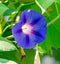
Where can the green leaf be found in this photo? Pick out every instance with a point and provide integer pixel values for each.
(6, 45)
(53, 32)
(32, 6)
(26, 0)
(3, 8)
(10, 55)
(5, 61)
(29, 58)
(56, 54)
(8, 50)
(13, 4)
(8, 12)
(44, 4)
(57, 1)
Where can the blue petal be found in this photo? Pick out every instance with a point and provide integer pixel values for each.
(23, 18)
(16, 28)
(30, 16)
(40, 24)
(24, 41)
(41, 30)
(38, 36)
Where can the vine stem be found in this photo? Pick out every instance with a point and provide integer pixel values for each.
(10, 37)
(57, 8)
(7, 27)
(24, 5)
(54, 20)
(19, 8)
(43, 10)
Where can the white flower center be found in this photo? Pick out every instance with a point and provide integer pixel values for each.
(26, 28)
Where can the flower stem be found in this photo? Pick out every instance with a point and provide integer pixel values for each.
(22, 52)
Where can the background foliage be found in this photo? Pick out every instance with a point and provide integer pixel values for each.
(10, 11)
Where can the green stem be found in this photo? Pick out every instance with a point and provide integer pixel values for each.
(7, 27)
(54, 20)
(51, 52)
(57, 8)
(19, 8)
(10, 37)
(30, 3)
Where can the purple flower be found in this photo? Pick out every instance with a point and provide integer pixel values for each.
(31, 29)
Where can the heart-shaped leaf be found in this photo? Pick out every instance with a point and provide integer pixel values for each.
(3, 8)
(6, 45)
(5, 61)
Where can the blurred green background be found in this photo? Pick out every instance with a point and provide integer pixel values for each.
(10, 11)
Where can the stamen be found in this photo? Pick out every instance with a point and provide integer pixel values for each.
(26, 29)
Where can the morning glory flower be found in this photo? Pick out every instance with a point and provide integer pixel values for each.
(31, 29)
